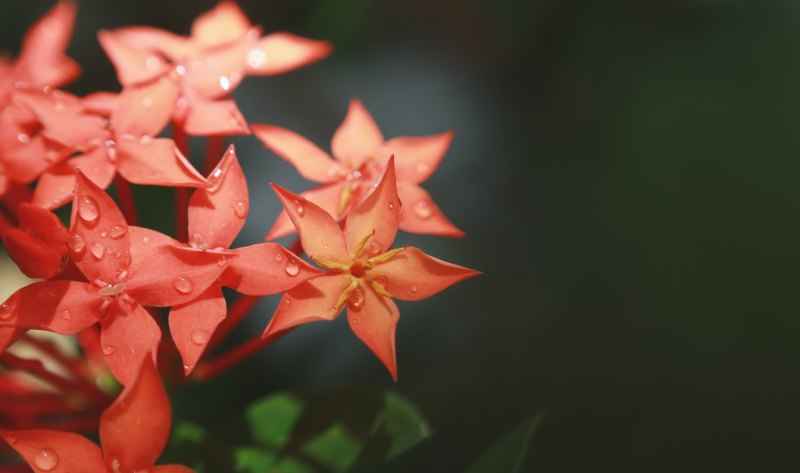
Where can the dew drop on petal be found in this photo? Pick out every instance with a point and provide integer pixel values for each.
(152, 63)
(147, 101)
(45, 460)
(287, 300)
(357, 297)
(103, 233)
(292, 268)
(77, 242)
(145, 139)
(391, 205)
(183, 284)
(145, 240)
(215, 176)
(5, 310)
(199, 241)
(240, 209)
(299, 208)
(108, 350)
(422, 168)
(87, 209)
(23, 138)
(59, 107)
(181, 70)
(117, 231)
(256, 58)
(66, 315)
(277, 257)
(374, 248)
(98, 251)
(413, 288)
(47, 295)
(199, 337)
(224, 83)
(423, 209)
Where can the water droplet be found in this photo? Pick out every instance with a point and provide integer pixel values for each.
(423, 209)
(59, 107)
(199, 337)
(292, 268)
(413, 288)
(215, 176)
(111, 290)
(109, 250)
(181, 70)
(87, 208)
(222, 261)
(199, 241)
(256, 58)
(145, 240)
(224, 83)
(23, 138)
(98, 250)
(298, 207)
(240, 209)
(147, 101)
(115, 466)
(374, 248)
(422, 168)
(47, 295)
(145, 139)
(45, 460)
(152, 63)
(117, 231)
(103, 233)
(183, 284)
(77, 242)
(277, 257)
(66, 315)
(287, 300)
(357, 297)
(5, 310)
(108, 350)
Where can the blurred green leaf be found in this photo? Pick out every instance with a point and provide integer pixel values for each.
(272, 419)
(335, 448)
(508, 453)
(402, 422)
(187, 432)
(254, 460)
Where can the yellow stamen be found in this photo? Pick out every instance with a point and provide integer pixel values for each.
(346, 293)
(378, 287)
(384, 257)
(344, 198)
(362, 244)
(330, 264)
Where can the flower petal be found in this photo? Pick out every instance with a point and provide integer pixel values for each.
(56, 452)
(214, 117)
(266, 268)
(154, 39)
(378, 214)
(145, 109)
(129, 335)
(144, 241)
(374, 322)
(44, 224)
(417, 157)
(222, 24)
(34, 257)
(156, 162)
(311, 162)
(133, 66)
(421, 215)
(43, 61)
(358, 137)
(315, 299)
(135, 428)
(193, 324)
(412, 275)
(101, 103)
(215, 73)
(26, 162)
(54, 188)
(281, 52)
(64, 307)
(218, 213)
(63, 118)
(172, 469)
(320, 234)
(9, 335)
(104, 249)
(326, 196)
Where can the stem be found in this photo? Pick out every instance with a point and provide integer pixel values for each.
(181, 193)
(236, 314)
(214, 148)
(126, 200)
(211, 369)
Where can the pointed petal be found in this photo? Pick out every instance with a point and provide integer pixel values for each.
(63, 118)
(26, 162)
(215, 73)
(44, 224)
(156, 162)
(134, 429)
(266, 268)
(100, 226)
(101, 103)
(374, 322)
(421, 215)
(218, 213)
(214, 117)
(320, 234)
(54, 188)
(57, 452)
(310, 161)
(417, 157)
(129, 335)
(281, 52)
(412, 275)
(64, 307)
(358, 137)
(145, 109)
(222, 24)
(327, 197)
(192, 325)
(379, 212)
(43, 60)
(154, 39)
(133, 66)
(311, 301)
(144, 241)
(34, 257)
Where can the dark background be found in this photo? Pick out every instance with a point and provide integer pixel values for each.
(623, 170)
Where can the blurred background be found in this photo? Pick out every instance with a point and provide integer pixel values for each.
(623, 171)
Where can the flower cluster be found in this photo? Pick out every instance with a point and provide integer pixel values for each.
(108, 282)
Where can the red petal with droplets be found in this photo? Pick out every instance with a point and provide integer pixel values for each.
(218, 213)
(192, 325)
(277, 53)
(266, 268)
(379, 212)
(64, 307)
(412, 275)
(215, 73)
(54, 188)
(133, 66)
(145, 109)
(56, 452)
(222, 24)
(358, 137)
(214, 117)
(417, 157)
(374, 321)
(35, 258)
(128, 336)
(420, 213)
(98, 222)
(327, 197)
(312, 163)
(134, 430)
(156, 162)
(311, 301)
(320, 234)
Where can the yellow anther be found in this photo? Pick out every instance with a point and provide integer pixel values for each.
(378, 287)
(330, 264)
(344, 198)
(362, 244)
(346, 293)
(384, 257)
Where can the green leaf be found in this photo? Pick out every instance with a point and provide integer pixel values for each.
(272, 419)
(254, 460)
(187, 432)
(508, 453)
(402, 422)
(335, 449)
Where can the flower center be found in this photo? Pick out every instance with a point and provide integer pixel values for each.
(357, 269)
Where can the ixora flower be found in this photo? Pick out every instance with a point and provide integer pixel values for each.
(365, 274)
(206, 67)
(39, 245)
(133, 432)
(360, 154)
(123, 278)
(216, 215)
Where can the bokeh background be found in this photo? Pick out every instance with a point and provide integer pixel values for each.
(625, 172)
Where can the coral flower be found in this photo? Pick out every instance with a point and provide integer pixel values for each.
(133, 432)
(39, 245)
(360, 154)
(365, 274)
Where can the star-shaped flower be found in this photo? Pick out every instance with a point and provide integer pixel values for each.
(360, 154)
(365, 274)
(205, 68)
(133, 432)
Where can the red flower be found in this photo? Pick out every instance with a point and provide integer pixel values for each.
(133, 433)
(123, 278)
(361, 153)
(364, 273)
(39, 245)
(205, 67)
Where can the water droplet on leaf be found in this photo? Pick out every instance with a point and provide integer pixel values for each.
(292, 268)
(87, 209)
(45, 460)
(183, 284)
